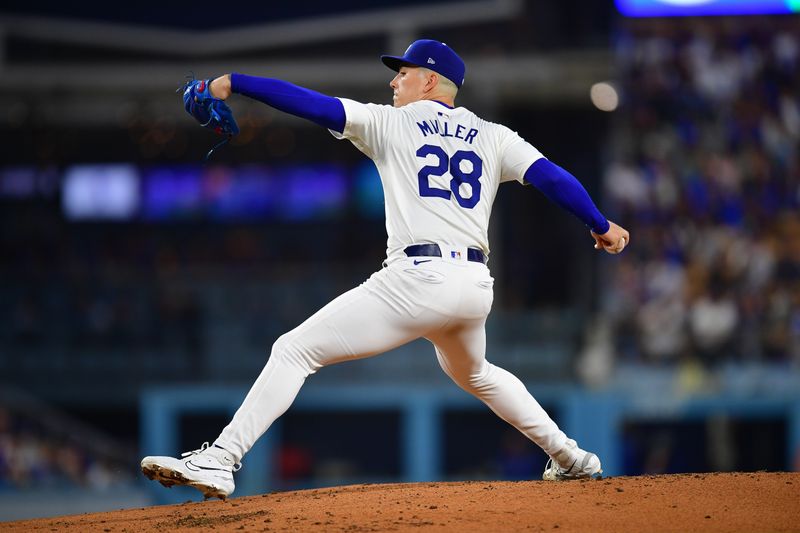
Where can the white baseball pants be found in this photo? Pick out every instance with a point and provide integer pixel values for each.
(446, 301)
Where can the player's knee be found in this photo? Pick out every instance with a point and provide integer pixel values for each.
(286, 349)
(281, 346)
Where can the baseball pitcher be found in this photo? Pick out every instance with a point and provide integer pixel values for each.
(440, 166)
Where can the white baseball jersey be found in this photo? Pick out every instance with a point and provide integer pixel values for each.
(440, 169)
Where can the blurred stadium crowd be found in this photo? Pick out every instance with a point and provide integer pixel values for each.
(34, 456)
(706, 174)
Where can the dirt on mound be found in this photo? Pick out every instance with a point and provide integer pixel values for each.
(743, 502)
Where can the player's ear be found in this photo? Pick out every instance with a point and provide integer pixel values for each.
(431, 80)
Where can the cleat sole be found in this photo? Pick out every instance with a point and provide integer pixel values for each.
(597, 475)
(168, 477)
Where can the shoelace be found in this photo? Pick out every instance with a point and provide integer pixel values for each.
(236, 466)
(552, 466)
(203, 448)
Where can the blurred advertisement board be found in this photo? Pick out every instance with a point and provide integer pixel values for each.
(683, 8)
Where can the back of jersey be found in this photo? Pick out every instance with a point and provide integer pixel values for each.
(440, 169)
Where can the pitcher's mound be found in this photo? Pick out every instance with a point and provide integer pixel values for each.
(743, 502)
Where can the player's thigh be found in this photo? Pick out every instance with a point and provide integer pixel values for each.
(357, 324)
(461, 347)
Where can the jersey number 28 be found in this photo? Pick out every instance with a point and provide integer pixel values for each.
(453, 165)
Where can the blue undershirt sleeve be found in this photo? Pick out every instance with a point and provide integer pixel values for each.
(565, 190)
(324, 110)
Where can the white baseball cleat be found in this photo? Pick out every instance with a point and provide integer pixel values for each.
(209, 469)
(572, 463)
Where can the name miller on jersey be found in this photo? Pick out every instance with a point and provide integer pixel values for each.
(445, 129)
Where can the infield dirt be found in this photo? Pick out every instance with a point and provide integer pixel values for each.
(745, 502)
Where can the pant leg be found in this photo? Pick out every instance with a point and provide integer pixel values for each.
(460, 350)
(362, 322)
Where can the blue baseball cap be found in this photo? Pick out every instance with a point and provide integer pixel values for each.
(432, 55)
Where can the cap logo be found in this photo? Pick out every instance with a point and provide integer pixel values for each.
(431, 61)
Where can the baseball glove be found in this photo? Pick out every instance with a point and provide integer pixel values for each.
(210, 112)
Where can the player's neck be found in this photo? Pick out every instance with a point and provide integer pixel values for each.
(449, 101)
